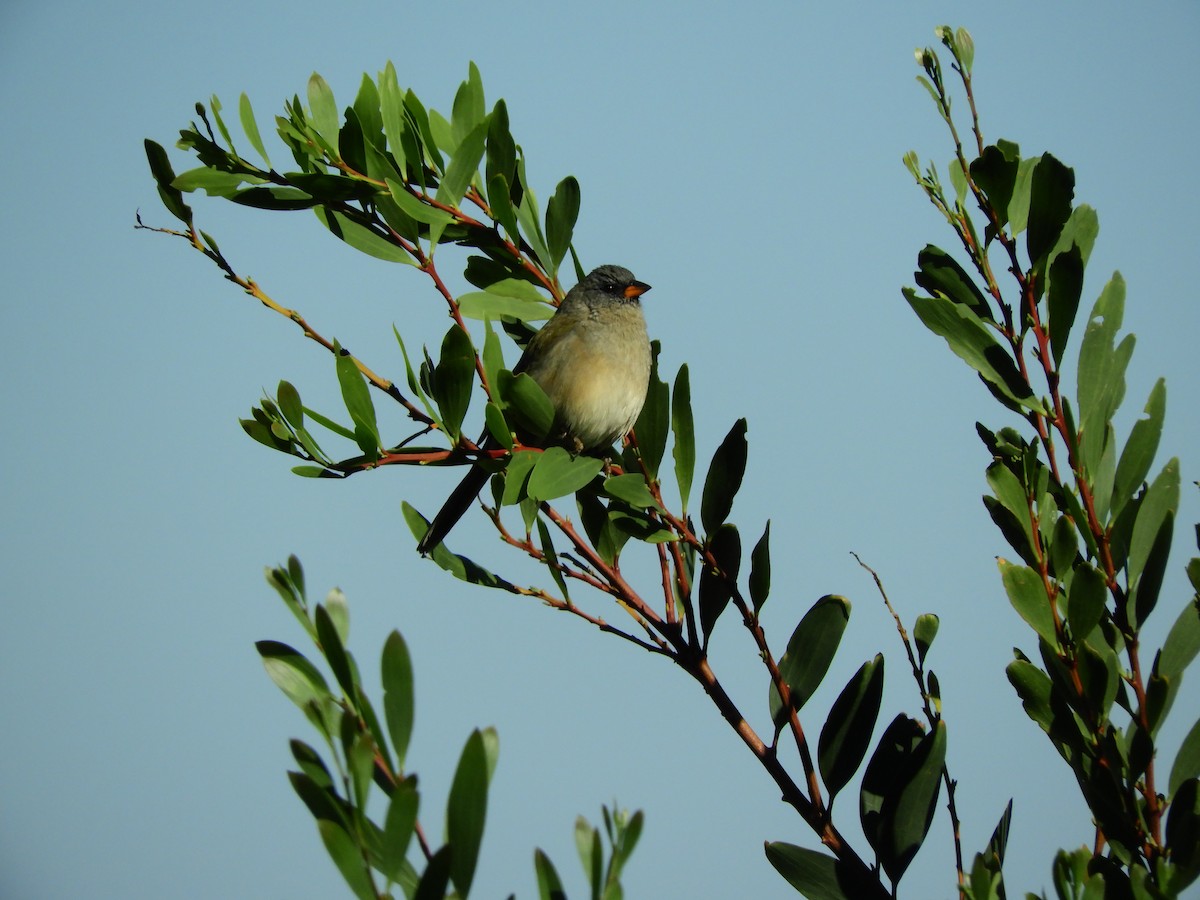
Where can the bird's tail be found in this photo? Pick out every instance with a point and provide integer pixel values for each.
(452, 510)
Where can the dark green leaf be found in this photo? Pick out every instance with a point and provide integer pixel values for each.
(497, 426)
(516, 476)
(1027, 594)
(311, 764)
(357, 397)
(1182, 643)
(561, 214)
(362, 238)
(466, 812)
(972, 341)
(398, 697)
(459, 566)
(846, 734)
(760, 569)
(654, 421)
(415, 209)
(436, 877)
(1064, 289)
(398, 827)
(995, 171)
(724, 478)
(348, 858)
(810, 650)
(884, 778)
(335, 653)
(938, 273)
(551, 557)
(275, 197)
(525, 397)
(1086, 599)
(1155, 514)
(549, 885)
(813, 874)
(1183, 831)
(454, 379)
(288, 399)
(1051, 191)
(469, 107)
(684, 449)
(718, 584)
(924, 631)
(298, 678)
(164, 175)
(917, 800)
(558, 474)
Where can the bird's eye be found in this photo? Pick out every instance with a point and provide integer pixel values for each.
(610, 287)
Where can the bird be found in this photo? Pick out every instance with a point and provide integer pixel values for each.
(592, 359)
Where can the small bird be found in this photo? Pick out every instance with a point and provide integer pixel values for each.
(593, 361)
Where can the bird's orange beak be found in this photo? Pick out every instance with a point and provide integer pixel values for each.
(636, 289)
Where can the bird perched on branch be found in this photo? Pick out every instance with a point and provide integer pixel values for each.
(592, 359)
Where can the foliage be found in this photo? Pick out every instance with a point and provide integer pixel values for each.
(375, 854)
(397, 181)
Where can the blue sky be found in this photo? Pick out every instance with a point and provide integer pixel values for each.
(745, 162)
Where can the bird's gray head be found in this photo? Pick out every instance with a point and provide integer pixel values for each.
(608, 285)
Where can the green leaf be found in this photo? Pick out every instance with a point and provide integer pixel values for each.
(436, 877)
(684, 449)
(324, 109)
(298, 678)
(466, 812)
(275, 197)
(846, 734)
(1027, 594)
(899, 791)
(339, 613)
(212, 181)
(348, 858)
(1182, 643)
(631, 489)
(938, 273)
(415, 209)
(288, 399)
(972, 341)
(995, 171)
(1086, 600)
(717, 585)
(164, 175)
(810, 650)
(1051, 191)
(497, 426)
(1140, 449)
(464, 166)
(760, 569)
(917, 800)
(549, 884)
(357, 397)
(1012, 496)
(335, 653)
(558, 474)
(484, 304)
(398, 698)
(454, 379)
(1102, 364)
(591, 854)
(469, 108)
(724, 478)
(1183, 831)
(1063, 292)
(1156, 514)
(516, 476)
(360, 237)
(525, 397)
(459, 566)
(398, 826)
(1187, 761)
(654, 420)
(924, 631)
(813, 874)
(561, 214)
(250, 126)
